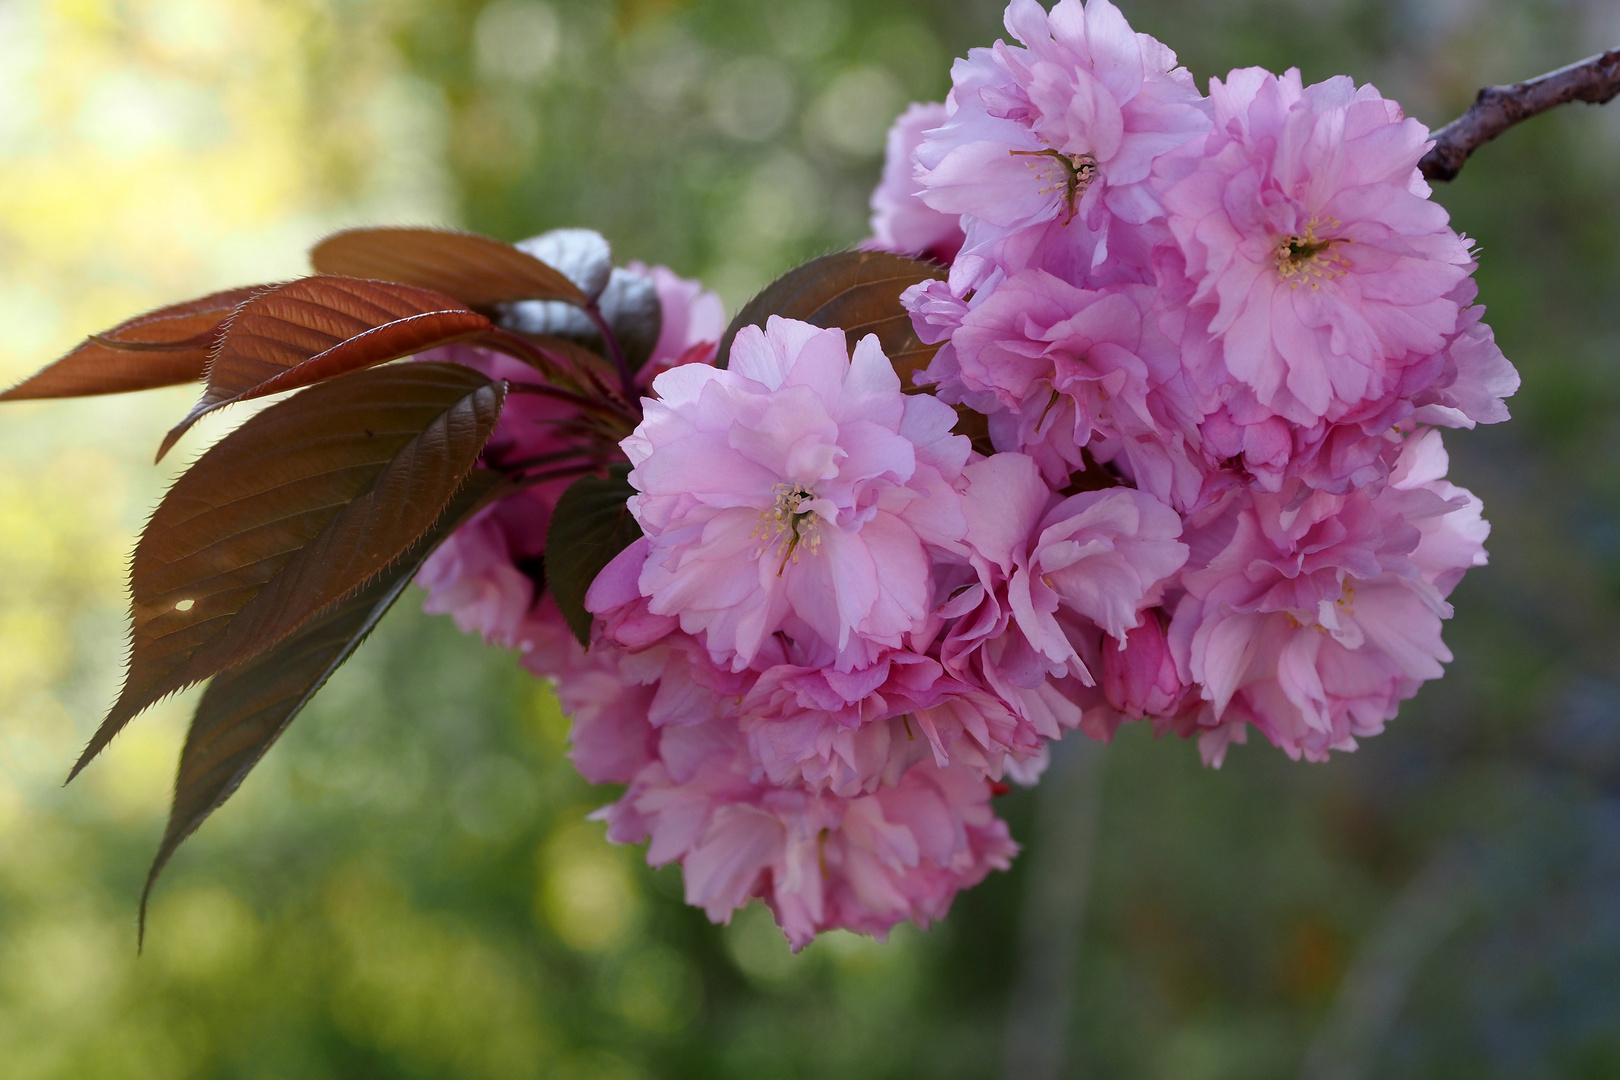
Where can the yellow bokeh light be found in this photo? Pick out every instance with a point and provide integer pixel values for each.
(150, 151)
(586, 894)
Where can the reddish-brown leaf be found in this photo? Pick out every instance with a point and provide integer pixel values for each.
(575, 357)
(316, 328)
(300, 505)
(474, 269)
(247, 707)
(160, 348)
(858, 291)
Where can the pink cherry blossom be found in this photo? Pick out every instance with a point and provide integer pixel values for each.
(898, 851)
(800, 483)
(1100, 555)
(1047, 144)
(477, 577)
(857, 732)
(1308, 236)
(621, 612)
(983, 642)
(1322, 612)
(1207, 340)
(1072, 377)
(1048, 575)
(1474, 376)
(1053, 365)
(1103, 555)
(819, 861)
(611, 736)
(901, 221)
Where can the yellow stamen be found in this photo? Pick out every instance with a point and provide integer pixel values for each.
(783, 525)
(1305, 258)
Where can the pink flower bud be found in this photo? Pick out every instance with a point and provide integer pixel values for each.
(1141, 679)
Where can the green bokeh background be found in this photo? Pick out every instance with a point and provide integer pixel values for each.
(408, 886)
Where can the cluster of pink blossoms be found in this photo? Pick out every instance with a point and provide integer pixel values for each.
(1212, 338)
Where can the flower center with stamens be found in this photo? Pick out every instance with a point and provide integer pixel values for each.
(1079, 170)
(1308, 259)
(784, 526)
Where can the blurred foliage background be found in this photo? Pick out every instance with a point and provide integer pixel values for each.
(408, 888)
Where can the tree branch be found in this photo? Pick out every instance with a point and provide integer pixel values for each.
(1595, 81)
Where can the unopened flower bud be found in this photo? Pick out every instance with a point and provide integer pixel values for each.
(1141, 679)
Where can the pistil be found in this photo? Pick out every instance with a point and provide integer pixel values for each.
(1079, 170)
(783, 525)
(1309, 259)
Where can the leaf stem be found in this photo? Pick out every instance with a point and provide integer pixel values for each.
(548, 364)
(594, 458)
(531, 479)
(521, 348)
(627, 379)
(559, 394)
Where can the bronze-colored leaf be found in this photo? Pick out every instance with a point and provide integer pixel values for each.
(474, 269)
(247, 707)
(318, 327)
(165, 347)
(287, 514)
(591, 524)
(858, 291)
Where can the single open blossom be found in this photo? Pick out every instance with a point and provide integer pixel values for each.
(1308, 234)
(840, 732)
(1054, 366)
(1047, 144)
(806, 721)
(1103, 555)
(799, 484)
(1072, 377)
(1320, 615)
(858, 732)
(820, 861)
(1050, 577)
(984, 643)
(901, 221)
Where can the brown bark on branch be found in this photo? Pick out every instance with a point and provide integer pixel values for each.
(1595, 81)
